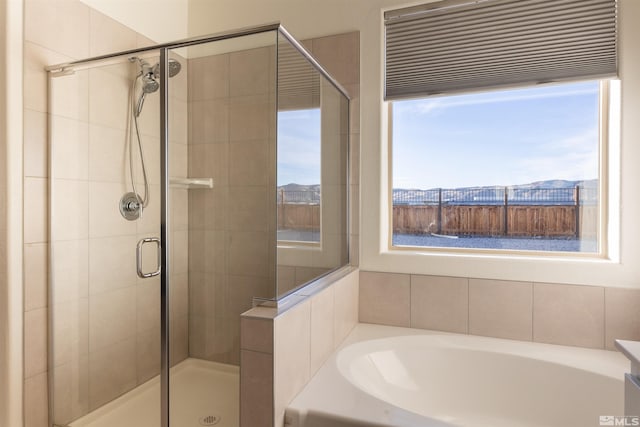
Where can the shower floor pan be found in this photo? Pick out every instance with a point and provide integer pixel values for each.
(202, 393)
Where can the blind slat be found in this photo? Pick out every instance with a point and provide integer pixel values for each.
(445, 47)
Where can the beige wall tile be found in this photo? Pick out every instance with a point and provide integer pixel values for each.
(112, 263)
(340, 56)
(70, 148)
(346, 292)
(48, 24)
(70, 326)
(69, 96)
(36, 405)
(149, 224)
(385, 298)
(70, 270)
(249, 72)
(107, 90)
(71, 390)
(147, 354)
(180, 339)
(35, 276)
(622, 316)
(178, 160)
(568, 315)
(209, 121)
(256, 334)
(256, 389)
(180, 252)
(248, 253)
(111, 317)
(322, 328)
(108, 154)
(247, 207)
(67, 193)
(242, 289)
(250, 118)
(178, 118)
(112, 371)
(179, 209)
(107, 35)
(104, 217)
(148, 304)
(209, 77)
(35, 212)
(179, 294)
(501, 309)
(35, 342)
(35, 77)
(292, 356)
(440, 303)
(35, 144)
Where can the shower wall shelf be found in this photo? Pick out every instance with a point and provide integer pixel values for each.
(191, 183)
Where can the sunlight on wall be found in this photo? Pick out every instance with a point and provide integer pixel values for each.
(160, 20)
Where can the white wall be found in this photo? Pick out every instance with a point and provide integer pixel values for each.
(313, 18)
(160, 20)
(11, 218)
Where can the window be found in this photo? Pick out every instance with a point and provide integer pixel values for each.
(298, 192)
(497, 115)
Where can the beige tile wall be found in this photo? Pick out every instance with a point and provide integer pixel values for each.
(585, 316)
(232, 113)
(283, 348)
(92, 246)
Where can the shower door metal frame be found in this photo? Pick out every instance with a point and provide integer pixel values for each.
(164, 48)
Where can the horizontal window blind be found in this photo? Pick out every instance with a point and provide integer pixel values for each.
(298, 81)
(455, 46)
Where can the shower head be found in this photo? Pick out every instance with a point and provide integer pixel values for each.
(149, 75)
(174, 67)
(149, 83)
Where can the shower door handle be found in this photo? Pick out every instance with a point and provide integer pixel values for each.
(141, 243)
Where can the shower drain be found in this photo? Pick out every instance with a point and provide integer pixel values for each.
(209, 420)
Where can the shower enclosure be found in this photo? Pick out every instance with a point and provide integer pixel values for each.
(189, 182)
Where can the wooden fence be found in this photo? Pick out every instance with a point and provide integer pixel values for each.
(489, 220)
(299, 216)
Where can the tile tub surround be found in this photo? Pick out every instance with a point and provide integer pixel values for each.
(282, 348)
(583, 316)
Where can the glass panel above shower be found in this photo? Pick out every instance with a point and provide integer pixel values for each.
(312, 186)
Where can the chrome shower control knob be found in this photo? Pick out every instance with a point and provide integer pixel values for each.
(131, 206)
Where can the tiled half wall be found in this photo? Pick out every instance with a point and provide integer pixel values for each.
(282, 348)
(584, 316)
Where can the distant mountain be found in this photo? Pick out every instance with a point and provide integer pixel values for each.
(299, 187)
(299, 193)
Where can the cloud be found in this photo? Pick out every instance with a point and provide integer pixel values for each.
(431, 106)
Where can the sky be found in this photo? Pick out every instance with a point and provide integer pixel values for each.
(497, 138)
(299, 147)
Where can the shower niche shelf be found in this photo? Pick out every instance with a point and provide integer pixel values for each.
(191, 183)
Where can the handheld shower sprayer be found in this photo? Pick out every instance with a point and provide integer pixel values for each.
(132, 204)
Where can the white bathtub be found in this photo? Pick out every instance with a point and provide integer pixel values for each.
(386, 376)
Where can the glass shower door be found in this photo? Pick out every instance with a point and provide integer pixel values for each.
(104, 317)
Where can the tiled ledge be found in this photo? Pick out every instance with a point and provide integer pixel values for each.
(282, 347)
(584, 316)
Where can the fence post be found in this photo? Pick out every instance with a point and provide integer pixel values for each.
(282, 221)
(439, 210)
(577, 208)
(506, 210)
